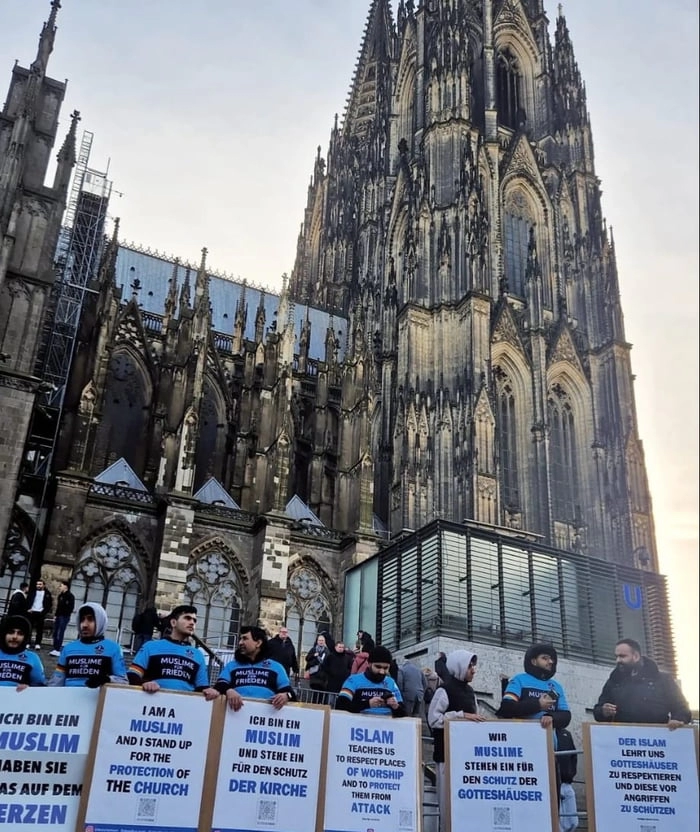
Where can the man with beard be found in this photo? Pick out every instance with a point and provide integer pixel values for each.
(19, 668)
(173, 662)
(253, 673)
(453, 699)
(92, 660)
(637, 691)
(535, 694)
(372, 692)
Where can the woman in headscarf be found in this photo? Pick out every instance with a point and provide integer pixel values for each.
(454, 698)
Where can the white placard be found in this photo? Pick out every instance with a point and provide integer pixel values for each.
(44, 745)
(270, 768)
(149, 761)
(373, 775)
(500, 776)
(641, 777)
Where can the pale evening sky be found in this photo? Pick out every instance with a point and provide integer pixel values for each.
(210, 114)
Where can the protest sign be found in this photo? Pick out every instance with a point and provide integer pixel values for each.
(373, 774)
(270, 768)
(44, 744)
(641, 778)
(500, 775)
(148, 759)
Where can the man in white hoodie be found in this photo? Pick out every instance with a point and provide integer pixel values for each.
(453, 699)
(92, 660)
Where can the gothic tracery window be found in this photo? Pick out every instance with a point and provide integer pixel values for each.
(211, 439)
(109, 573)
(509, 90)
(564, 466)
(516, 235)
(308, 608)
(508, 447)
(214, 588)
(125, 415)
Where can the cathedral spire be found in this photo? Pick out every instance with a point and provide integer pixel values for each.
(201, 290)
(66, 156)
(370, 89)
(171, 299)
(569, 91)
(46, 40)
(185, 293)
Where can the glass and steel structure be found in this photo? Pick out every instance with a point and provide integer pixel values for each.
(495, 587)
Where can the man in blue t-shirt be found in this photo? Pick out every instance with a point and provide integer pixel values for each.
(372, 692)
(536, 694)
(253, 673)
(19, 667)
(92, 660)
(172, 662)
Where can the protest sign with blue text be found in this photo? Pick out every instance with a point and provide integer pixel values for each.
(270, 768)
(148, 760)
(44, 744)
(500, 775)
(373, 774)
(641, 777)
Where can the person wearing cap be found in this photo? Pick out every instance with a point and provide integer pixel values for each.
(372, 692)
(536, 694)
(19, 667)
(173, 662)
(92, 660)
(253, 673)
(454, 698)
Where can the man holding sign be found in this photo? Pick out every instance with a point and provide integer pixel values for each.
(92, 660)
(637, 691)
(253, 673)
(172, 662)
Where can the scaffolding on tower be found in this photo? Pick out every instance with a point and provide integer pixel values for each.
(78, 255)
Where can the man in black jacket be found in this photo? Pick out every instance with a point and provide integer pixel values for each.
(637, 691)
(282, 650)
(65, 604)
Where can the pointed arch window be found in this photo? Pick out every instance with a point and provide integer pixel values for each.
(510, 493)
(213, 586)
(516, 234)
(109, 572)
(564, 464)
(212, 437)
(125, 415)
(308, 609)
(509, 90)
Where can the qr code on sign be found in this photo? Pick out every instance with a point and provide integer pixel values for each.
(405, 819)
(501, 817)
(146, 808)
(267, 811)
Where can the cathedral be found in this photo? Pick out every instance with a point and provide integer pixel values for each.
(448, 353)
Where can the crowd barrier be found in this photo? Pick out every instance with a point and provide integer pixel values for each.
(121, 760)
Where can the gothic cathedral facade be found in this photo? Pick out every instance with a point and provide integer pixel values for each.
(450, 345)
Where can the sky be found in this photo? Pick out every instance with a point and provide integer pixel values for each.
(208, 116)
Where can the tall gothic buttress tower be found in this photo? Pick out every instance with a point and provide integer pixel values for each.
(30, 217)
(457, 224)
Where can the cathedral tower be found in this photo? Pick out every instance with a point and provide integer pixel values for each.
(457, 217)
(30, 217)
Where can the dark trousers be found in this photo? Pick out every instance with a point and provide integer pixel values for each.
(140, 639)
(59, 630)
(36, 619)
